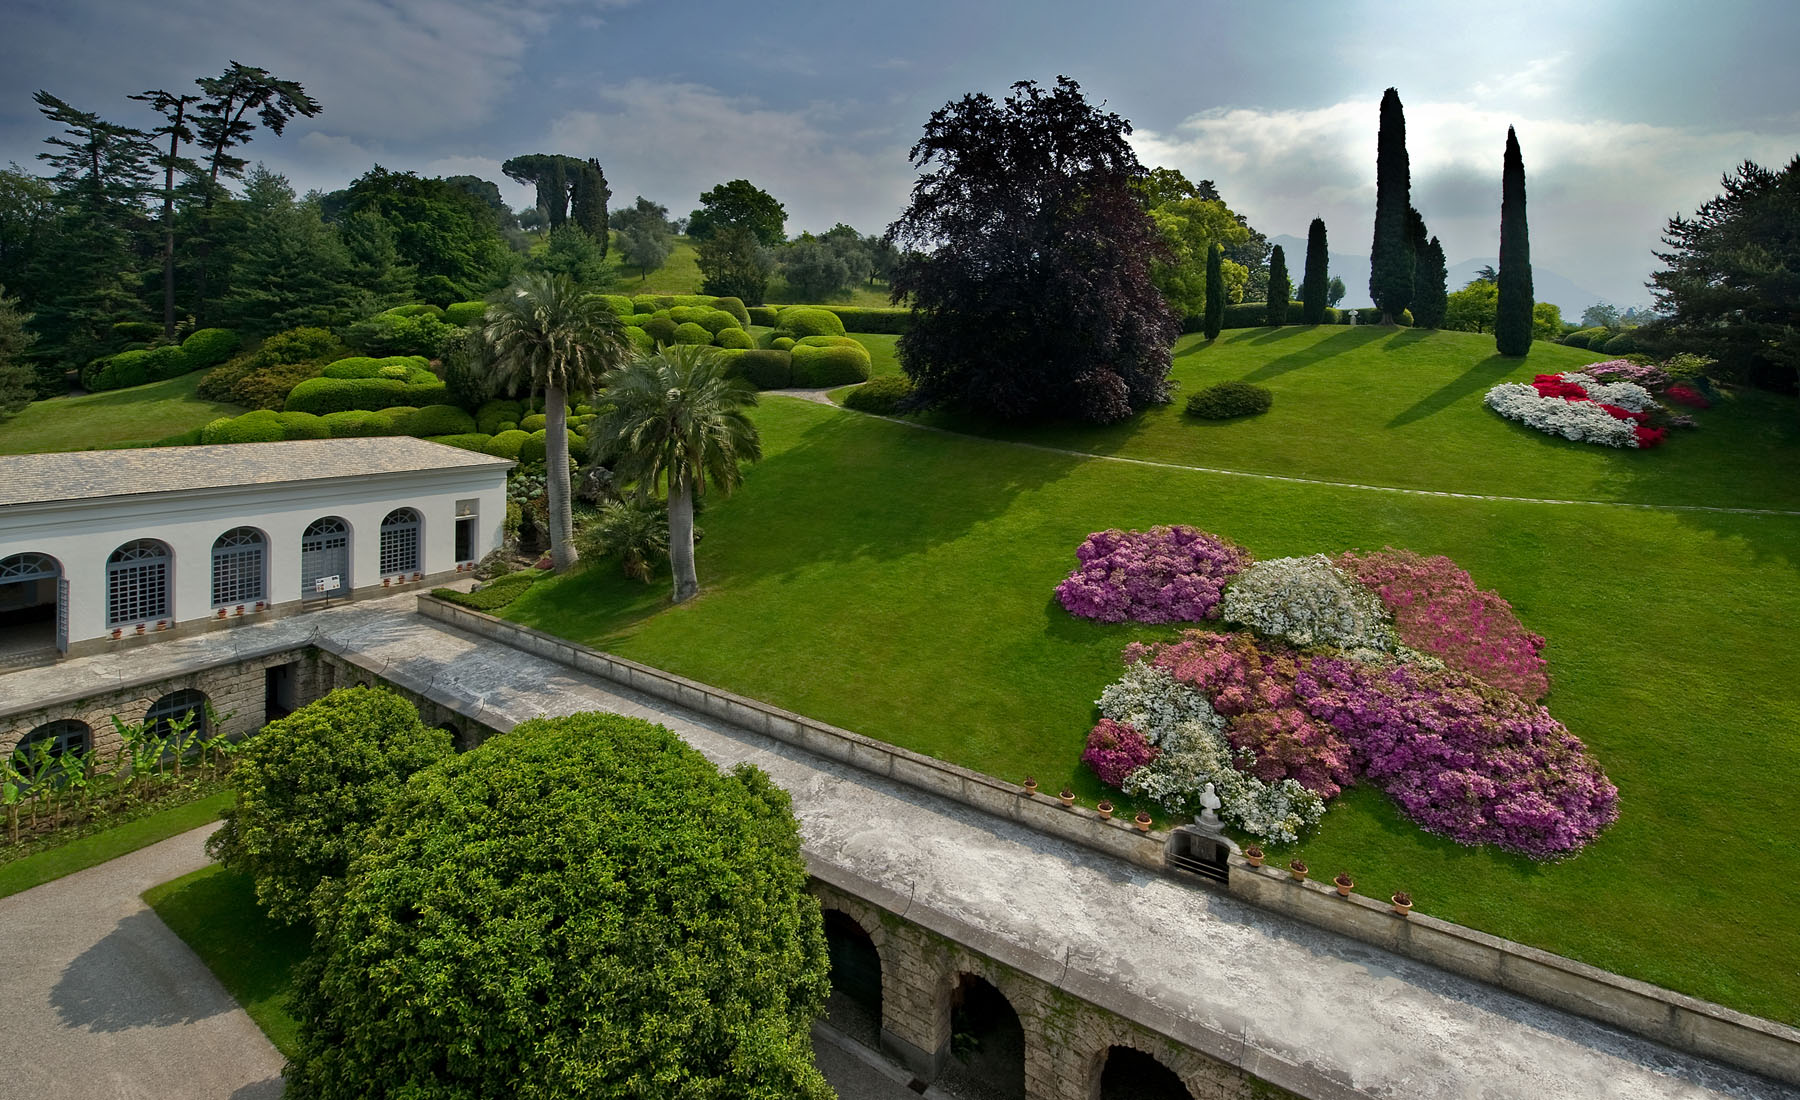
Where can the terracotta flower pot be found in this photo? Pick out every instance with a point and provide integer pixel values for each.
(1298, 870)
(1254, 855)
(1068, 798)
(1105, 809)
(1402, 907)
(1142, 821)
(1344, 884)
(1030, 785)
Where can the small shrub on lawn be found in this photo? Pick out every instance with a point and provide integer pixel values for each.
(735, 338)
(691, 333)
(816, 367)
(798, 321)
(883, 396)
(1228, 400)
(208, 347)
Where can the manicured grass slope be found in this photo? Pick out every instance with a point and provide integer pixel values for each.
(214, 911)
(117, 416)
(680, 274)
(1403, 408)
(898, 582)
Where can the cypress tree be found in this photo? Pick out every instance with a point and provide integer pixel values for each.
(1512, 316)
(1316, 285)
(1215, 292)
(1417, 237)
(1391, 255)
(1280, 288)
(1430, 297)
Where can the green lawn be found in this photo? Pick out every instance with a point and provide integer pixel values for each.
(680, 274)
(90, 851)
(898, 583)
(117, 416)
(214, 911)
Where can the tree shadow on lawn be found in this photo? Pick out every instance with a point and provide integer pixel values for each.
(1480, 377)
(1280, 332)
(1335, 344)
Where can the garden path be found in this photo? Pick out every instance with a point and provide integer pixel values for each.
(1288, 996)
(102, 1000)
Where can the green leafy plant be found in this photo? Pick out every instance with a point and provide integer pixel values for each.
(1228, 400)
(636, 531)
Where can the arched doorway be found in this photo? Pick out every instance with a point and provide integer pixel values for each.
(33, 605)
(325, 559)
(855, 1004)
(1130, 1074)
(987, 1043)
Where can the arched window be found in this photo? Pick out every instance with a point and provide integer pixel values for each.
(854, 1007)
(28, 567)
(239, 567)
(187, 704)
(400, 542)
(137, 583)
(61, 736)
(325, 557)
(989, 1047)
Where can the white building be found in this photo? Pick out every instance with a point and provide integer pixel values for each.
(101, 549)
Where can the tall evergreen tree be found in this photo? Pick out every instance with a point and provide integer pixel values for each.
(1391, 255)
(1430, 296)
(1215, 292)
(587, 204)
(176, 127)
(1280, 288)
(18, 383)
(1512, 320)
(1417, 237)
(289, 267)
(1315, 285)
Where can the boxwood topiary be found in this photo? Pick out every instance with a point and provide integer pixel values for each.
(464, 313)
(892, 321)
(691, 333)
(208, 347)
(1624, 343)
(167, 362)
(536, 446)
(489, 417)
(829, 342)
(358, 423)
(420, 310)
(816, 367)
(436, 420)
(660, 329)
(299, 425)
(781, 343)
(882, 396)
(639, 338)
(506, 444)
(1230, 399)
(683, 315)
(716, 321)
(763, 315)
(766, 370)
(533, 423)
(799, 321)
(733, 306)
(469, 441)
(735, 338)
(617, 304)
(407, 368)
(638, 319)
(261, 426)
(128, 368)
(329, 395)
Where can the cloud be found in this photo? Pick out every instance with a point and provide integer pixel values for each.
(670, 141)
(1599, 191)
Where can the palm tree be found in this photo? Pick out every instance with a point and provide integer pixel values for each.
(674, 415)
(547, 332)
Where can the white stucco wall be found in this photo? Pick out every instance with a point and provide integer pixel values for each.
(82, 534)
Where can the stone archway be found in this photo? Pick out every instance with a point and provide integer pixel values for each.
(33, 606)
(854, 1007)
(987, 1042)
(1127, 1073)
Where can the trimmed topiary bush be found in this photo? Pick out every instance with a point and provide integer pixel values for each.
(649, 303)
(688, 315)
(617, 304)
(816, 367)
(584, 906)
(735, 338)
(472, 441)
(733, 306)
(891, 321)
(766, 370)
(329, 395)
(491, 415)
(691, 333)
(208, 347)
(716, 321)
(828, 342)
(781, 343)
(310, 785)
(637, 319)
(1227, 400)
(167, 362)
(660, 329)
(436, 420)
(464, 313)
(126, 369)
(639, 338)
(882, 396)
(799, 321)
(136, 331)
(358, 423)
(533, 423)
(1624, 343)
(419, 310)
(405, 368)
(252, 427)
(299, 425)
(763, 315)
(506, 444)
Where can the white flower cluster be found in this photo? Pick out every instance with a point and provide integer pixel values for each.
(1310, 602)
(1626, 395)
(1191, 735)
(1581, 421)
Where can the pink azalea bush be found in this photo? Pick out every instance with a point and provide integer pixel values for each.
(1115, 750)
(1163, 575)
(1438, 610)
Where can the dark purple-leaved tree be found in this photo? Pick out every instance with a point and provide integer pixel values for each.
(1026, 257)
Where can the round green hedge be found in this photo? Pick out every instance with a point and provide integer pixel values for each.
(299, 425)
(533, 423)
(716, 321)
(436, 420)
(764, 369)
(1227, 400)
(261, 426)
(1624, 343)
(128, 368)
(691, 333)
(782, 343)
(638, 319)
(208, 347)
(492, 414)
(735, 338)
(506, 444)
(414, 369)
(639, 338)
(660, 329)
(464, 313)
(617, 304)
(330, 395)
(733, 306)
(799, 321)
(816, 367)
(471, 441)
(422, 310)
(536, 446)
(882, 396)
(358, 423)
(828, 342)
(688, 315)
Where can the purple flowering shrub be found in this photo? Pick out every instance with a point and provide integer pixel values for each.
(1438, 610)
(1115, 750)
(1478, 765)
(1163, 575)
(1648, 375)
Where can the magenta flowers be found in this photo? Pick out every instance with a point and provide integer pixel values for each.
(1115, 750)
(1163, 575)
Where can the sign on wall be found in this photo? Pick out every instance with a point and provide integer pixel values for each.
(327, 584)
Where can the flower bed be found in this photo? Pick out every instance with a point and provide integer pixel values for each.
(1307, 601)
(1610, 403)
(1163, 575)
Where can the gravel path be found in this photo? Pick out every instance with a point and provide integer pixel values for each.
(103, 1001)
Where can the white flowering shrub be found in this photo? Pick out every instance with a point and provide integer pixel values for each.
(1581, 421)
(1626, 395)
(1195, 752)
(1310, 602)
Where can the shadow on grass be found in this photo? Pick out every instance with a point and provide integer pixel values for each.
(1280, 332)
(1480, 377)
(1335, 344)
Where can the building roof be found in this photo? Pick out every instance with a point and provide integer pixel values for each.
(85, 475)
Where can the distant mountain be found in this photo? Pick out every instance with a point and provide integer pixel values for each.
(1547, 285)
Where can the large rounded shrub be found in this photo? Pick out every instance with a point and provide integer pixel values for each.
(798, 321)
(419, 310)
(358, 424)
(582, 907)
(639, 338)
(1625, 343)
(1230, 399)
(167, 361)
(506, 444)
(660, 329)
(716, 321)
(816, 367)
(310, 785)
(691, 333)
(406, 368)
(617, 304)
(471, 441)
(299, 425)
(329, 395)
(208, 347)
(829, 342)
(128, 368)
(781, 343)
(464, 313)
(436, 420)
(491, 415)
(735, 307)
(882, 396)
(534, 422)
(766, 370)
(688, 315)
(735, 338)
(252, 427)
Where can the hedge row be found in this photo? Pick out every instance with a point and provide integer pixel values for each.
(207, 347)
(889, 320)
(493, 595)
(329, 395)
(267, 426)
(807, 366)
(647, 304)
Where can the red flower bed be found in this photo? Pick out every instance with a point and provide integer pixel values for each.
(1687, 395)
(1552, 385)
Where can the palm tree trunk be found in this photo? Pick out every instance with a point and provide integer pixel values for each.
(556, 481)
(681, 540)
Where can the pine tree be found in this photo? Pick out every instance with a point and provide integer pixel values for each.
(1430, 295)
(1316, 285)
(1215, 292)
(1391, 255)
(1512, 319)
(1280, 289)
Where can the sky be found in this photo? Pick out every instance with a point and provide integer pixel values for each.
(1627, 112)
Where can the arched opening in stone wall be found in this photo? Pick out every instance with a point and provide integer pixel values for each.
(987, 1043)
(1130, 1074)
(855, 1004)
(33, 615)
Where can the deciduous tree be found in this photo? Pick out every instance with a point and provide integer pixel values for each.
(739, 204)
(734, 265)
